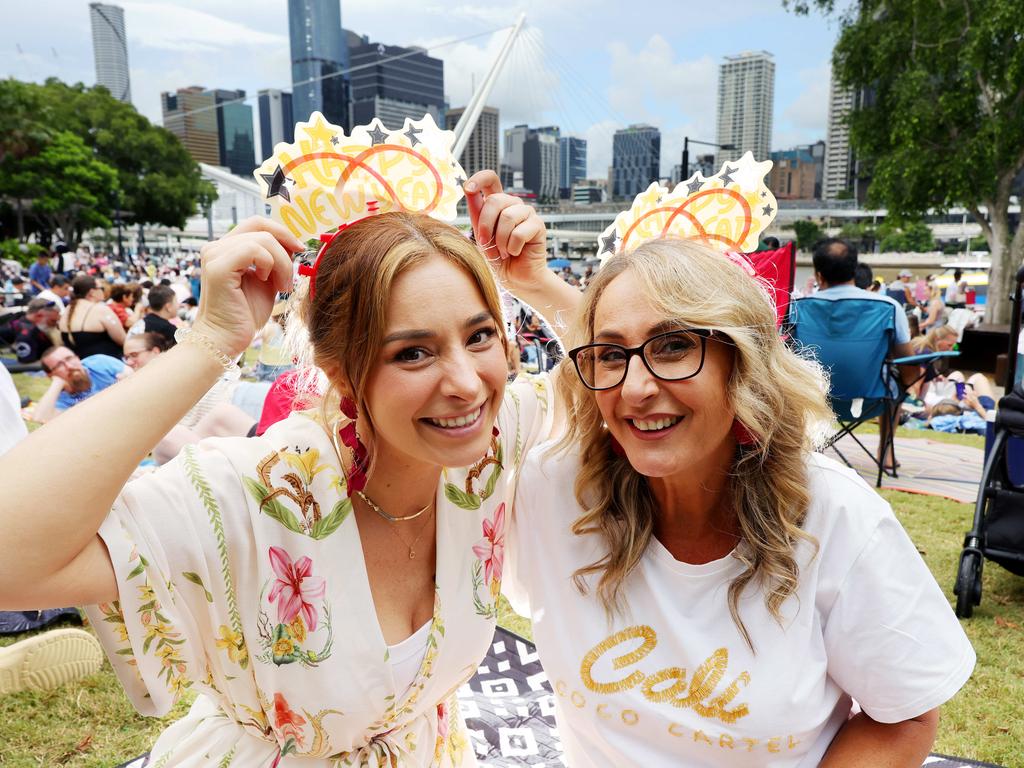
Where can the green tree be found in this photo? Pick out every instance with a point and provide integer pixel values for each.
(945, 122)
(910, 237)
(160, 182)
(807, 234)
(69, 186)
(23, 127)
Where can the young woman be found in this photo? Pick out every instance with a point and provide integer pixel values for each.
(728, 591)
(326, 587)
(89, 326)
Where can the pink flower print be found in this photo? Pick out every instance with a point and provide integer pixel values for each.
(491, 550)
(295, 588)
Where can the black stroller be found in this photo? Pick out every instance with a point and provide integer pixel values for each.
(998, 530)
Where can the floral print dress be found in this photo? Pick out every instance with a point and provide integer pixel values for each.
(241, 577)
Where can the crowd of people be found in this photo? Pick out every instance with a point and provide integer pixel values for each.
(704, 588)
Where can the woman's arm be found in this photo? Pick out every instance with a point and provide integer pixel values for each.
(863, 741)
(50, 518)
(112, 325)
(46, 408)
(514, 239)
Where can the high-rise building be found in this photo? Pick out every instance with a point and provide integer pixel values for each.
(746, 96)
(636, 160)
(110, 49)
(235, 141)
(512, 158)
(540, 165)
(392, 83)
(277, 123)
(572, 164)
(838, 157)
(319, 53)
(191, 115)
(481, 152)
(532, 155)
(797, 173)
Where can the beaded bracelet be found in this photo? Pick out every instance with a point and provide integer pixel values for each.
(188, 336)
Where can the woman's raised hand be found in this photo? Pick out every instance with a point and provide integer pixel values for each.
(242, 273)
(509, 232)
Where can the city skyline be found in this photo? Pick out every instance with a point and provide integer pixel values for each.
(589, 87)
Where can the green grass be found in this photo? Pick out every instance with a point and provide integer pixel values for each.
(90, 724)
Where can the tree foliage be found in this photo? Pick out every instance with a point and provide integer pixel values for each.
(69, 186)
(807, 234)
(942, 121)
(910, 237)
(156, 178)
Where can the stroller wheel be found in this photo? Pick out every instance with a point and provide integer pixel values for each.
(968, 584)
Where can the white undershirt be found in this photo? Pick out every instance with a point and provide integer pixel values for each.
(406, 657)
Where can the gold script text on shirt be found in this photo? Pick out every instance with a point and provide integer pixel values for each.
(696, 695)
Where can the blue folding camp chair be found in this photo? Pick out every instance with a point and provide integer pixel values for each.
(853, 339)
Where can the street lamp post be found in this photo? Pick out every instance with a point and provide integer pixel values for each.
(685, 169)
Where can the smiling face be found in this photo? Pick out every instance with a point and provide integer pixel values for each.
(136, 352)
(438, 381)
(666, 428)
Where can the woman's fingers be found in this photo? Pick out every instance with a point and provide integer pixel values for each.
(509, 219)
(530, 230)
(485, 181)
(262, 224)
(490, 214)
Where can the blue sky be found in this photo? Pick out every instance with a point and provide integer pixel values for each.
(590, 66)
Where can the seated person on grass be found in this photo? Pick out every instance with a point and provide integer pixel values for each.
(73, 380)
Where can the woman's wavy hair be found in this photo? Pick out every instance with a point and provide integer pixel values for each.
(341, 325)
(777, 395)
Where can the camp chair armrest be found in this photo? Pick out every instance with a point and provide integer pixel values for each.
(923, 359)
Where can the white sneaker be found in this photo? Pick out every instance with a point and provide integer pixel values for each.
(48, 660)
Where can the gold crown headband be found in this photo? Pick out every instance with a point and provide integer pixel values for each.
(326, 179)
(729, 211)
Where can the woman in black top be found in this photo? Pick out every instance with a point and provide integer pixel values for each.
(89, 326)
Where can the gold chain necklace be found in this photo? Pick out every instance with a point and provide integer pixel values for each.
(390, 518)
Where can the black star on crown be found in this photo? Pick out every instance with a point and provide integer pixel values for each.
(727, 178)
(412, 134)
(767, 210)
(276, 184)
(608, 243)
(694, 186)
(377, 136)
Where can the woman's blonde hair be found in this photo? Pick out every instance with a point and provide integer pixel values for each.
(343, 320)
(931, 339)
(777, 395)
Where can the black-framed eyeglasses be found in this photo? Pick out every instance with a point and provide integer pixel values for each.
(669, 356)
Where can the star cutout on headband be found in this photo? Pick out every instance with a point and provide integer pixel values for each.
(377, 136)
(460, 180)
(334, 140)
(276, 184)
(608, 243)
(412, 135)
(767, 210)
(727, 178)
(319, 131)
(658, 201)
(764, 194)
(694, 186)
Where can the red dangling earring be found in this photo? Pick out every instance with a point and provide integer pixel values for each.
(356, 474)
(743, 435)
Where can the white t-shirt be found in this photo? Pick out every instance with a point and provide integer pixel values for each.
(12, 426)
(672, 682)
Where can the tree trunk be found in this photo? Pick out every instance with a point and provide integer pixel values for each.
(1004, 269)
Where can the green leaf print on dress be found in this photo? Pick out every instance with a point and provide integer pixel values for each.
(469, 498)
(273, 488)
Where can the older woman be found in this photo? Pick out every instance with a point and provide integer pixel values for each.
(706, 590)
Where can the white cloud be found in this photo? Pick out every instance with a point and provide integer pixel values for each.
(525, 88)
(185, 30)
(805, 118)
